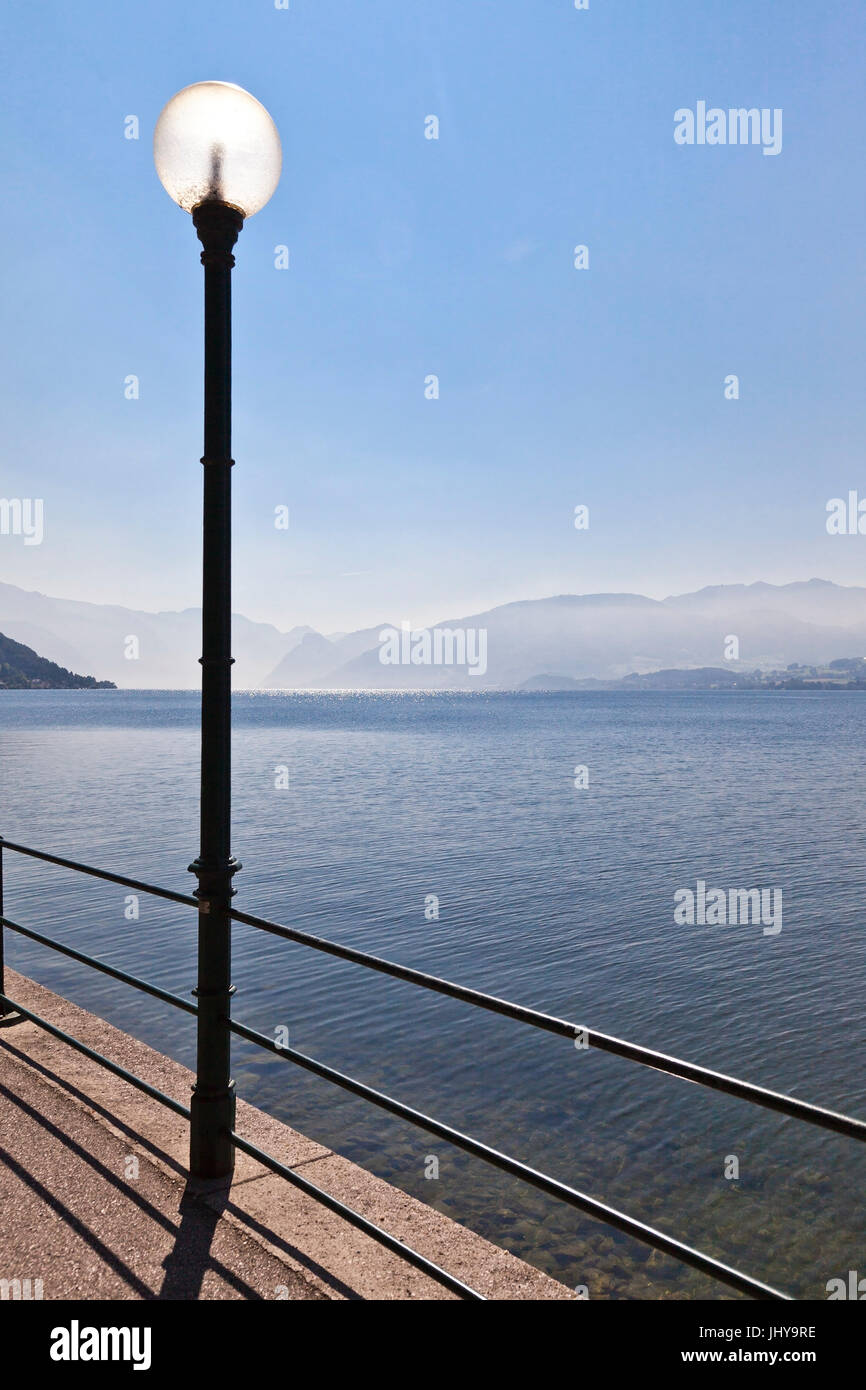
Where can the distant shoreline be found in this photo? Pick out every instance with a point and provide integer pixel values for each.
(579, 688)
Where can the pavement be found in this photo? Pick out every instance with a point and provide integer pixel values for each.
(95, 1204)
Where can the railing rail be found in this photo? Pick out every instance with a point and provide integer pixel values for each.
(703, 1076)
(138, 1082)
(633, 1052)
(552, 1186)
(137, 983)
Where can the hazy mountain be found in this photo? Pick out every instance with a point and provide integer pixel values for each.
(609, 636)
(605, 636)
(93, 637)
(312, 660)
(813, 600)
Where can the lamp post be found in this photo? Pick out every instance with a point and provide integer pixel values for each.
(217, 153)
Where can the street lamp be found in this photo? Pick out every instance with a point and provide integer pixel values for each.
(217, 153)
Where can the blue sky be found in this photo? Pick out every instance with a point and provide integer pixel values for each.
(411, 257)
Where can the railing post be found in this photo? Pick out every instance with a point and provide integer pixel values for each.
(213, 1102)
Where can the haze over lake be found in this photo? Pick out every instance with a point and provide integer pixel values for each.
(550, 894)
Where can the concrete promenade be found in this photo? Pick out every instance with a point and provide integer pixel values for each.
(94, 1200)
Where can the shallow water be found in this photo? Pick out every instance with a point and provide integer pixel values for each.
(551, 895)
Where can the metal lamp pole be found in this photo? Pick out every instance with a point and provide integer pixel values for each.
(218, 155)
(213, 1099)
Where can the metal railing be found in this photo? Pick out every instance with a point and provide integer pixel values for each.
(588, 1037)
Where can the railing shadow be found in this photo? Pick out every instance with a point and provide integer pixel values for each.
(190, 1257)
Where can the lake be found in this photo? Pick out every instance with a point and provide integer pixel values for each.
(555, 895)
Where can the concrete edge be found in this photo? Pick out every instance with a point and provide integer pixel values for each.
(315, 1244)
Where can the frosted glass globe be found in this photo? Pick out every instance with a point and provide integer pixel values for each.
(214, 141)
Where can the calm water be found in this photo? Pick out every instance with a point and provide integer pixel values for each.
(553, 896)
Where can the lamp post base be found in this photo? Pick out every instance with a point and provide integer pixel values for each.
(211, 1150)
(212, 1108)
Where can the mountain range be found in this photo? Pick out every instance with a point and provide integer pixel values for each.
(606, 636)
